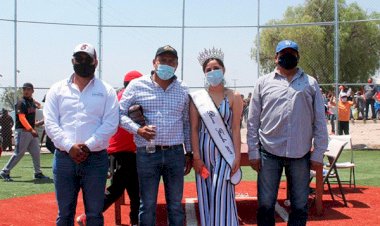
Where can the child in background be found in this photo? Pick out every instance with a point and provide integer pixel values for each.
(332, 112)
(344, 107)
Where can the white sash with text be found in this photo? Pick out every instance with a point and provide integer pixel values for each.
(216, 128)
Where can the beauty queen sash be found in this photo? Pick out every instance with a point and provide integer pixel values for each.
(217, 129)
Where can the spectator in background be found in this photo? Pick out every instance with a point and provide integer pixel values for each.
(333, 112)
(26, 136)
(122, 152)
(248, 99)
(325, 99)
(360, 104)
(369, 94)
(6, 123)
(246, 107)
(81, 114)
(344, 107)
(48, 142)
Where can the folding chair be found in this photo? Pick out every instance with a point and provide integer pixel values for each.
(347, 165)
(333, 152)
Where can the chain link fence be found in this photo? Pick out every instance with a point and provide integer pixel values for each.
(247, 31)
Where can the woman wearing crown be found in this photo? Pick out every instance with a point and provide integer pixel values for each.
(215, 162)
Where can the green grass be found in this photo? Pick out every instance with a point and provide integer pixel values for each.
(366, 174)
(23, 174)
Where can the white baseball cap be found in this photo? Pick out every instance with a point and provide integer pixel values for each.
(85, 48)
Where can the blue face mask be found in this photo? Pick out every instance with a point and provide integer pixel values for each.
(165, 72)
(215, 77)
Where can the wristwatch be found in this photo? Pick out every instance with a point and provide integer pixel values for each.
(189, 154)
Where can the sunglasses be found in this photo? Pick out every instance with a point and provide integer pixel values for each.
(83, 59)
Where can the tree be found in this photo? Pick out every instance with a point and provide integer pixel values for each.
(8, 97)
(359, 42)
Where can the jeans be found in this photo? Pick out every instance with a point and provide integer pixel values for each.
(297, 172)
(343, 127)
(69, 177)
(170, 165)
(370, 103)
(124, 177)
(332, 122)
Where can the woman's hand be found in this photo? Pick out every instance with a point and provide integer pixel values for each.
(198, 164)
(235, 166)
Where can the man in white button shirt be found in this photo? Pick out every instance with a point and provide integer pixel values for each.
(81, 114)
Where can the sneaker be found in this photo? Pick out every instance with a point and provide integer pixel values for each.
(81, 220)
(40, 176)
(5, 176)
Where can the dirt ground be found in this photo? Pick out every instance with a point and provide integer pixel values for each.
(364, 135)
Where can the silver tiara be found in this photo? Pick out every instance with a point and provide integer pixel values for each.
(210, 53)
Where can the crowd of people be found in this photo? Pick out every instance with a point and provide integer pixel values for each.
(155, 128)
(352, 106)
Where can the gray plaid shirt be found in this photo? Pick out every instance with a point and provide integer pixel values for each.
(285, 117)
(167, 109)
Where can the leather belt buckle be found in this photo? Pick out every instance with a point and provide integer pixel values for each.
(164, 147)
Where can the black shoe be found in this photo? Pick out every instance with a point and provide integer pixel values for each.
(5, 176)
(40, 176)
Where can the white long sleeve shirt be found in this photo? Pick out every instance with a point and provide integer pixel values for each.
(74, 117)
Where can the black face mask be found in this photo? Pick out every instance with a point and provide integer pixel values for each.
(84, 70)
(288, 61)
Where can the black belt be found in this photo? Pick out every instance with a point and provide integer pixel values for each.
(167, 147)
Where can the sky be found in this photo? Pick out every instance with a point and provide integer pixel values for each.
(44, 51)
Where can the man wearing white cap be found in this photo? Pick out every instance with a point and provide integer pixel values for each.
(81, 114)
(286, 114)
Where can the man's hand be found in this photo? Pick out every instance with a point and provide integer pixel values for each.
(188, 163)
(315, 165)
(255, 164)
(147, 132)
(34, 133)
(79, 153)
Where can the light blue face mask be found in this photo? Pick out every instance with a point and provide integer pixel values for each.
(215, 77)
(165, 72)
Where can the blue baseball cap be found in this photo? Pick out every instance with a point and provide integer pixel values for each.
(284, 44)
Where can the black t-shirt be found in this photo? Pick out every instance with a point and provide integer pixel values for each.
(27, 107)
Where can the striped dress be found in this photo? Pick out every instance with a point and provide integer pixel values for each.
(216, 195)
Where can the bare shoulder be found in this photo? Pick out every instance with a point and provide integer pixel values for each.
(233, 96)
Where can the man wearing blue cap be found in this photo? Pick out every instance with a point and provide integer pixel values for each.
(286, 119)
